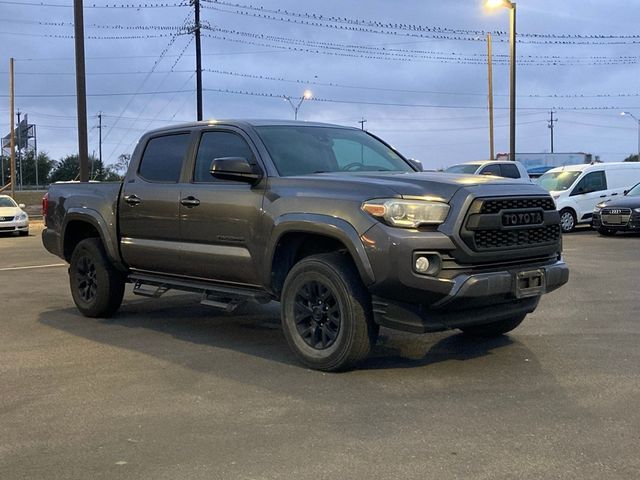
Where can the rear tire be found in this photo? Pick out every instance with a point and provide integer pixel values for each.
(607, 232)
(97, 287)
(327, 317)
(494, 329)
(567, 220)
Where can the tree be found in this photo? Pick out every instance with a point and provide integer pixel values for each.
(45, 165)
(122, 165)
(633, 158)
(69, 169)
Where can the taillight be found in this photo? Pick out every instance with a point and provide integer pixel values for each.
(45, 206)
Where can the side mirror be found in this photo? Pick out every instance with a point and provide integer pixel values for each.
(625, 192)
(235, 168)
(22, 205)
(417, 164)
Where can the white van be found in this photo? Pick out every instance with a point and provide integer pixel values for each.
(577, 189)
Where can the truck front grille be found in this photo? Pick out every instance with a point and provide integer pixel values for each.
(494, 224)
(498, 204)
(499, 239)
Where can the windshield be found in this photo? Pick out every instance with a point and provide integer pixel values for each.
(558, 181)
(7, 202)
(463, 168)
(635, 191)
(301, 150)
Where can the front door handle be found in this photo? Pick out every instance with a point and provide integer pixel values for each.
(614, 194)
(133, 200)
(190, 202)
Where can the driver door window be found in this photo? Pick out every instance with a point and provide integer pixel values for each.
(591, 182)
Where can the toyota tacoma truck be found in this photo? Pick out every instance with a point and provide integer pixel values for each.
(332, 222)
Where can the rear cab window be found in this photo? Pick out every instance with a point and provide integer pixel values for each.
(163, 158)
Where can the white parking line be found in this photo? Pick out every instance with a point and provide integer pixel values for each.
(6, 269)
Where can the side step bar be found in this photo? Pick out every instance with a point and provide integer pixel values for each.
(225, 297)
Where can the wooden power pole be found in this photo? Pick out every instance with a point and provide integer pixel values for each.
(12, 135)
(81, 91)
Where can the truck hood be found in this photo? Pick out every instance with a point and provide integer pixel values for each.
(393, 184)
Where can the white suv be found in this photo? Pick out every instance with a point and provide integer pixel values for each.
(498, 168)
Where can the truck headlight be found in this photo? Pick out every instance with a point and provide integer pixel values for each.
(407, 213)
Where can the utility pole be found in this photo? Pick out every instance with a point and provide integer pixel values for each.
(19, 148)
(81, 90)
(551, 122)
(100, 137)
(12, 140)
(490, 78)
(512, 82)
(362, 122)
(196, 31)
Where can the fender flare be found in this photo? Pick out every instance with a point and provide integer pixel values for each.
(325, 225)
(93, 217)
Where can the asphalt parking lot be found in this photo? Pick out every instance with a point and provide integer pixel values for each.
(169, 389)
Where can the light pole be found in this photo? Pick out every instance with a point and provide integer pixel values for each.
(629, 114)
(305, 96)
(512, 69)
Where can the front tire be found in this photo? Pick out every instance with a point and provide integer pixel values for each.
(567, 220)
(494, 329)
(24, 233)
(326, 313)
(97, 287)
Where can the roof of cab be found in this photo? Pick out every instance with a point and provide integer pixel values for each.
(245, 123)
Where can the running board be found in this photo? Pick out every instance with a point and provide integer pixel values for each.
(224, 297)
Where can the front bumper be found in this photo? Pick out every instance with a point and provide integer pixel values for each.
(14, 226)
(455, 294)
(633, 224)
(472, 300)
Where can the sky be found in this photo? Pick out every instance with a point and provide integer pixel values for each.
(415, 70)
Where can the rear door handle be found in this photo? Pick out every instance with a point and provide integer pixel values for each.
(190, 202)
(602, 196)
(133, 200)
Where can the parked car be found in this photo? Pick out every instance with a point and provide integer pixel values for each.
(331, 221)
(537, 172)
(619, 214)
(12, 217)
(498, 168)
(577, 189)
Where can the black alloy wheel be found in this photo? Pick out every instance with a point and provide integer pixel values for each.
(86, 278)
(317, 314)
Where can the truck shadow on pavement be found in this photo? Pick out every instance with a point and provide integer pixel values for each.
(252, 330)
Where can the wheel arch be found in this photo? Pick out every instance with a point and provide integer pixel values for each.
(298, 236)
(87, 223)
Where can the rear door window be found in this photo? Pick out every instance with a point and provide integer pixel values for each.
(163, 157)
(509, 170)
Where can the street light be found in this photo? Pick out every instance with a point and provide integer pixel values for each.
(629, 114)
(306, 95)
(492, 4)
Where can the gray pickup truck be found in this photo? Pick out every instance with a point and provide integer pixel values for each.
(330, 221)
